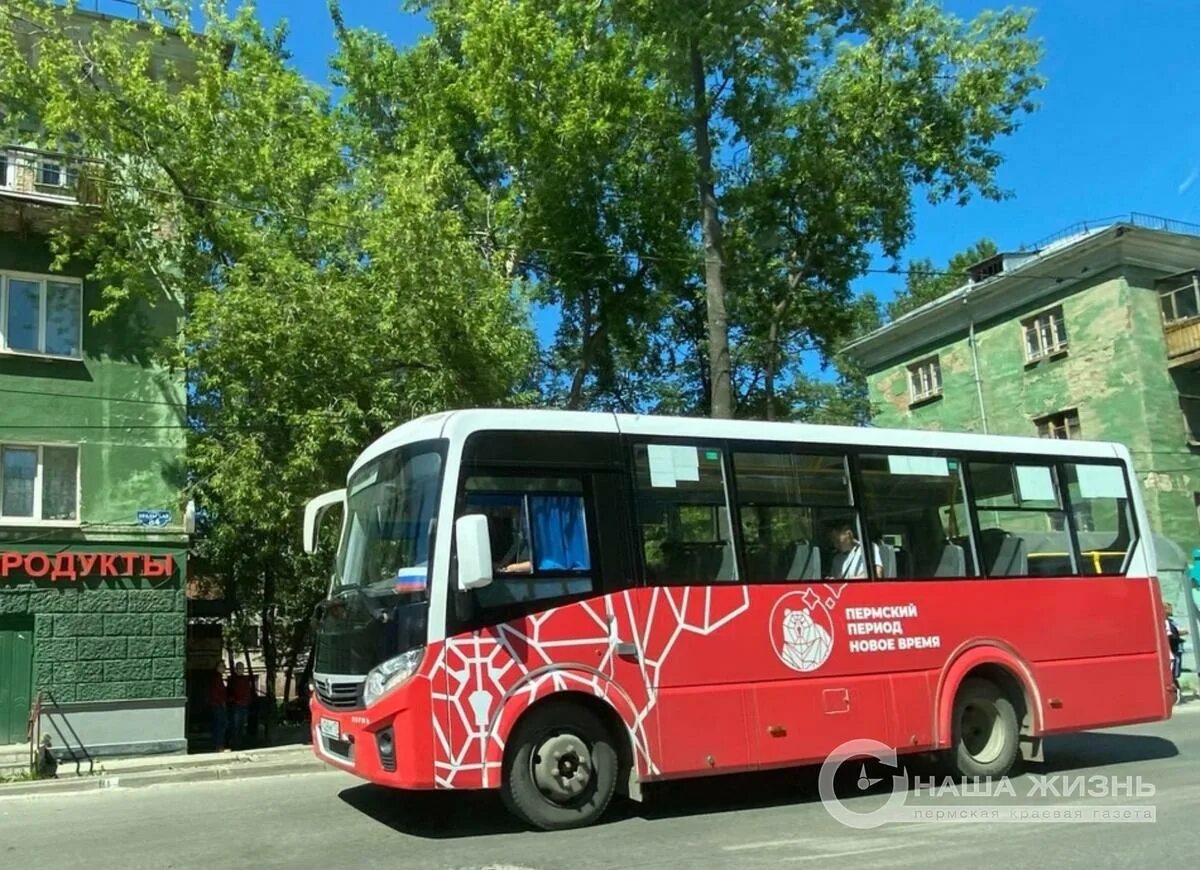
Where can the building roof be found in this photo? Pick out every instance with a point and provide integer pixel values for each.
(1066, 259)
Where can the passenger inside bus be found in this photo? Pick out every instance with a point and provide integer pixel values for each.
(849, 561)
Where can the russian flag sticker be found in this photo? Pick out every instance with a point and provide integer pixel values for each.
(411, 579)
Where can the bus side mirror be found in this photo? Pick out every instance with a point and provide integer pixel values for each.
(313, 511)
(474, 547)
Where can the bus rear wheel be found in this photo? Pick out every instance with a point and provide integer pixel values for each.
(560, 770)
(985, 735)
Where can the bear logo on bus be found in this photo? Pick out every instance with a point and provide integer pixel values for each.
(802, 631)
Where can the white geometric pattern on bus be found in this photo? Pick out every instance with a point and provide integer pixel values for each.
(482, 669)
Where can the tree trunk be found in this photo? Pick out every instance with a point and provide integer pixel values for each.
(714, 248)
(774, 353)
(270, 662)
(588, 343)
(769, 373)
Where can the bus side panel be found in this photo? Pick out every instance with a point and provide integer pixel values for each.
(805, 719)
(912, 710)
(1079, 693)
(701, 729)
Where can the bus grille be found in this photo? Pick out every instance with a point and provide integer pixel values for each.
(337, 695)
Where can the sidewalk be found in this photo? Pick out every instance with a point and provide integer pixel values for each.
(112, 773)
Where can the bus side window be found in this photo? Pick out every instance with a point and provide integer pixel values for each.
(540, 537)
(1103, 516)
(1022, 523)
(793, 510)
(916, 511)
(683, 514)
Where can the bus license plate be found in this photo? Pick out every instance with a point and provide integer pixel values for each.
(330, 728)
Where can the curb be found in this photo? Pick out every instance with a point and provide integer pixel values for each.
(118, 781)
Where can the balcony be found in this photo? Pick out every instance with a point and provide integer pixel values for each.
(1179, 297)
(36, 185)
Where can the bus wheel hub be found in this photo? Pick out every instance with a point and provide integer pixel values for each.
(562, 767)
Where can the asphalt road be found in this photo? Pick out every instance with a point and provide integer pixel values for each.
(331, 820)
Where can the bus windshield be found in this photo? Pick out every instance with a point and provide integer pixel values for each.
(391, 508)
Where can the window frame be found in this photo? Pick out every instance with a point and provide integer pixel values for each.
(1067, 414)
(932, 365)
(1058, 326)
(39, 484)
(965, 489)
(40, 168)
(8, 170)
(7, 276)
(465, 611)
(1169, 297)
(729, 487)
(854, 508)
(1054, 464)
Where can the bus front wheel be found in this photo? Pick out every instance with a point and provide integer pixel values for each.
(560, 770)
(986, 737)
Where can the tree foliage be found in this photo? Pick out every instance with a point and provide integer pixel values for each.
(717, 172)
(328, 298)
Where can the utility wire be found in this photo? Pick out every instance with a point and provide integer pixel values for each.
(298, 219)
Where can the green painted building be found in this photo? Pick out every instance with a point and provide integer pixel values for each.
(1094, 334)
(93, 547)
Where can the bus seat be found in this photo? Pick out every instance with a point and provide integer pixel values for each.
(952, 562)
(805, 562)
(1012, 558)
(888, 554)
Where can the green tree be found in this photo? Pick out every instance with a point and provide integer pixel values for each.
(804, 132)
(550, 119)
(327, 298)
(925, 282)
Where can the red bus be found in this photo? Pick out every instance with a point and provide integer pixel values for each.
(567, 606)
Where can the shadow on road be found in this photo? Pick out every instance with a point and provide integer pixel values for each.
(449, 815)
(1099, 749)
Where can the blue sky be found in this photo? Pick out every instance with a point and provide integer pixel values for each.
(1117, 131)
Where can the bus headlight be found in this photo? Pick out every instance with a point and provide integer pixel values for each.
(390, 674)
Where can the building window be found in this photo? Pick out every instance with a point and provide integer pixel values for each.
(41, 315)
(925, 379)
(1045, 335)
(6, 170)
(1180, 298)
(1064, 424)
(39, 483)
(50, 173)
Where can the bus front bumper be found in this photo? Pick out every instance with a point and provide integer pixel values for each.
(383, 746)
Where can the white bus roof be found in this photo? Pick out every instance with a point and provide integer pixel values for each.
(458, 425)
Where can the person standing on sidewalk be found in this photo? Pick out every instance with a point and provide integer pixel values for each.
(241, 694)
(218, 698)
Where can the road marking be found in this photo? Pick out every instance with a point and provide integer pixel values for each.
(769, 844)
(831, 846)
(795, 858)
